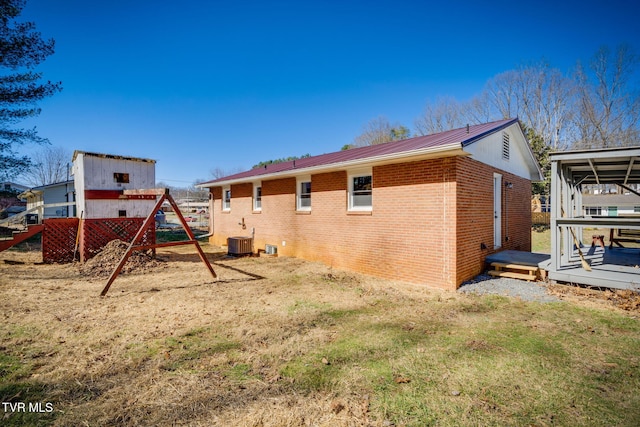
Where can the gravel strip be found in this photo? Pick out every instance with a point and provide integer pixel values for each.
(526, 291)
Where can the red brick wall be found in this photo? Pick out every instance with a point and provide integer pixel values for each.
(474, 213)
(426, 226)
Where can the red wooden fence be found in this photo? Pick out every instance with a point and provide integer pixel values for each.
(59, 239)
(59, 236)
(96, 233)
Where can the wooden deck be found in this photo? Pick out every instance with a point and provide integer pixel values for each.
(20, 236)
(519, 257)
(617, 268)
(518, 265)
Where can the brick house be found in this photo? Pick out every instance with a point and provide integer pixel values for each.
(425, 210)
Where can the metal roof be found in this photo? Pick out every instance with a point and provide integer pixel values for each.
(610, 200)
(454, 139)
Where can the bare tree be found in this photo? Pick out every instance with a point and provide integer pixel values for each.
(545, 99)
(540, 96)
(479, 110)
(608, 113)
(444, 114)
(500, 94)
(49, 165)
(379, 131)
(218, 172)
(598, 108)
(448, 113)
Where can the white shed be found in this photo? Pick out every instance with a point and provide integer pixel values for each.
(100, 180)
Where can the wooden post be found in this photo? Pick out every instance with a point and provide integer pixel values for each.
(147, 222)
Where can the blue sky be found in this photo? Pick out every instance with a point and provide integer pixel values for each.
(197, 84)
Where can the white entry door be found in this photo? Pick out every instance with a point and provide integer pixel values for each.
(497, 210)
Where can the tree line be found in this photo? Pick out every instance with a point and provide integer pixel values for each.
(596, 105)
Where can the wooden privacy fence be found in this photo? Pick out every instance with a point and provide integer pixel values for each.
(540, 210)
(540, 218)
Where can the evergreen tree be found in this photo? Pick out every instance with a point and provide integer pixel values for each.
(22, 48)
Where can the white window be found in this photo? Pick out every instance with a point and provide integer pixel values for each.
(226, 199)
(505, 146)
(360, 191)
(257, 197)
(303, 194)
(593, 210)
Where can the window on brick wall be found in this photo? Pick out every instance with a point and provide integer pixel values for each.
(505, 146)
(226, 199)
(257, 197)
(303, 194)
(360, 191)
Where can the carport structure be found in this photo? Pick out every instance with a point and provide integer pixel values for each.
(613, 267)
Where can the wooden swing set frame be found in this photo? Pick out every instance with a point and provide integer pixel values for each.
(164, 195)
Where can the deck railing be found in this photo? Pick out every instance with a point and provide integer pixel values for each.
(21, 218)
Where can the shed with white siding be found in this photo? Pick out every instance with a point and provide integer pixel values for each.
(100, 180)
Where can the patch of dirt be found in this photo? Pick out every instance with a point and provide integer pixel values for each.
(624, 299)
(103, 264)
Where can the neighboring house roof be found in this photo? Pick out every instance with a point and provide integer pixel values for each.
(452, 141)
(42, 188)
(12, 185)
(610, 200)
(54, 184)
(110, 156)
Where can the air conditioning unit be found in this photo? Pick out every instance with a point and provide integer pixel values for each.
(239, 245)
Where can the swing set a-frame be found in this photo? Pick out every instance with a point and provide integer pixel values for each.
(133, 246)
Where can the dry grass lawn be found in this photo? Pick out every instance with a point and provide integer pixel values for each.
(283, 342)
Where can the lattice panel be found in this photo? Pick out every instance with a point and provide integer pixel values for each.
(96, 233)
(59, 239)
